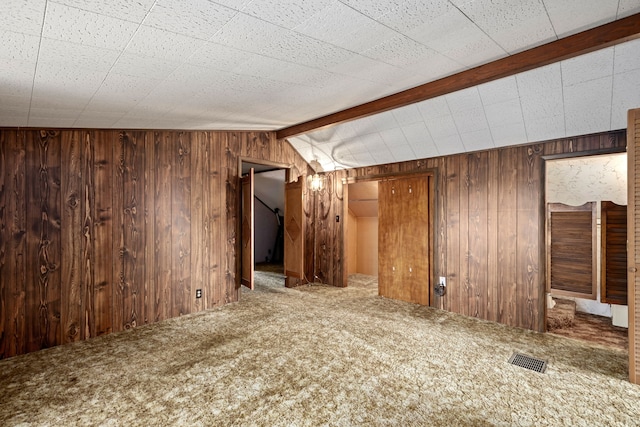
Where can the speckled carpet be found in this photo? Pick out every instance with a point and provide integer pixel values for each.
(315, 356)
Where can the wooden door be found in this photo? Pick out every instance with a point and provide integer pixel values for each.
(247, 234)
(571, 251)
(613, 253)
(404, 224)
(293, 233)
(633, 242)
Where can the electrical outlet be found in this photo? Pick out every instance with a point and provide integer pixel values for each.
(443, 281)
(198, 293)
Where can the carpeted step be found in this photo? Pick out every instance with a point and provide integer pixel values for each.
(561, 315)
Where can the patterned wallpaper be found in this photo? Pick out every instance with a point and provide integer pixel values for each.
(578, 180)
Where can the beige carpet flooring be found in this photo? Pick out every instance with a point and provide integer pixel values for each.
(317, 356)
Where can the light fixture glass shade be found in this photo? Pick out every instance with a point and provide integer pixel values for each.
(315, 182)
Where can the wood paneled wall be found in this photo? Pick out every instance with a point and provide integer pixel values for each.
(489, 231)
(102, 231)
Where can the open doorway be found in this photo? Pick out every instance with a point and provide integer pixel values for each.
(586, 200)
(263, 233)
(362, 233)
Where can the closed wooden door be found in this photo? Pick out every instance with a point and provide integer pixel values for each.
(613, 253)
(246, 277)
(293, 233)
(404, 232)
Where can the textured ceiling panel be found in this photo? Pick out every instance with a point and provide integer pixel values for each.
(241, 64)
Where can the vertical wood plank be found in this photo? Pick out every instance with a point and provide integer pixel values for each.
(493, 233)
(466, 293)
(87, 192)
(119, 290)
(215, 201)
(454, 279)
(163, 225)
(43, 241)
(4, 234)
(150, 285)
(14, 335)
(103, 212)
(199, 224)
(478, 236)
(529, 223)
(181, 227)
(508, 213)
(71, 238)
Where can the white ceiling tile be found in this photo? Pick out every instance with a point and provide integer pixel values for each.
(199, 19)
(403, 153)
(407, 115)
(588, 106)
(433, 108)
(393, 137)
(455, 36)
(499, 91)
(143, 66)
(400, 51)
(18, 120)
(471, 120)
(285, 13)
(507, 112)
(18, 46)
(165, 45)
(465, 99)
(417, 134)
(381, 156)
(509, 134)
(16, 77)
(87, 28)
(53, 80)
(477, 140)
(234, 4)
(245, 32)
(404, 16)
(572, 16)
(544, 104)
(543, 79)
(627, 56)
(301, 49)
(50, 122)
(367, 69)
(68, 102)
(451, 144)
(545, 128)
(67, 54)
(628, 7)
(23, 16)
(515, 25)
(441, 127)
(343, 26)
(626, 96)
(128, 10)
(363, 159)
(218, 56)
(99, 119)
(594, 65)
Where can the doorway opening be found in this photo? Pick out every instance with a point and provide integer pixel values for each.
(262, 224)
(362, 233)
(585, 202)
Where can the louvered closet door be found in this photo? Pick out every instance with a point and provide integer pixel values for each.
(633, 235)
(613, 253)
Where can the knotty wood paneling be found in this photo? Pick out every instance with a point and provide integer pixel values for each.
(633, 233)
(490, 226)
(105, 230)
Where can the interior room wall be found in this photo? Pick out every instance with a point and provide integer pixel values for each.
(106, 230)
(577, 180)
(367, 241)
(489, 231)
(352, 243)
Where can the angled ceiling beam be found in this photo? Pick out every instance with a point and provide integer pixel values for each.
(587, 41)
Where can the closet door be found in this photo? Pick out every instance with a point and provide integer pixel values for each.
(613, 254)
(403, 239)
(571, 251)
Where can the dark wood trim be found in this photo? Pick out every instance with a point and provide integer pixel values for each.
(587, 41)
(601, 151)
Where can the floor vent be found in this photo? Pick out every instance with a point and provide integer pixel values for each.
(528, 362)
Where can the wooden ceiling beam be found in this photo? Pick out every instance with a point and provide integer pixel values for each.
(587, 41)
